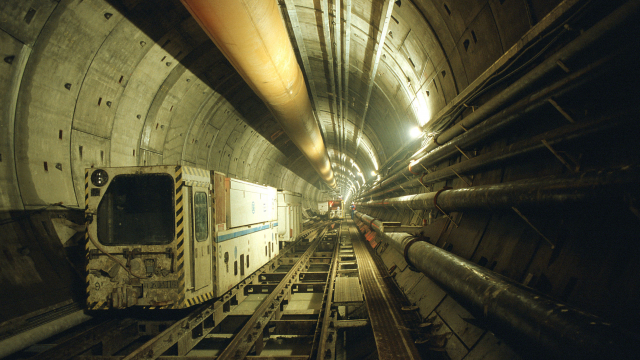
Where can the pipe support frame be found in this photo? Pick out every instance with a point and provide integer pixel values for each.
(528, 320)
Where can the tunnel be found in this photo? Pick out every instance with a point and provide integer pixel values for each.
(502, 132)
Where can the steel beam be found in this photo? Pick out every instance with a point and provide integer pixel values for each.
(327, 343)
(181, 332)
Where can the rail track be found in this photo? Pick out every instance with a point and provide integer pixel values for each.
(322, 297)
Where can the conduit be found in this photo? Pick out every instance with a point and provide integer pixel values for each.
(540, 326)
(515, 114)
(253, 37)
(534, 145)
(614, 21)
(546, 191)
(45, 331)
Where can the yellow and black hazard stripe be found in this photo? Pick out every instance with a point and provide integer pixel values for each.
(200, 299)
(97, 305)
(179, 236)
(93, 305)
(86, 235)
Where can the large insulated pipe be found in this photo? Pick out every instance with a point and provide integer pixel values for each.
(253, 37)
(527, 319)
(545, 191)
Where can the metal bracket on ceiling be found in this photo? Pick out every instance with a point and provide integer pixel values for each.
(575, 167)
(461, 178)
(462, 152)
(553, 246)
(435, 202)
(561, 110)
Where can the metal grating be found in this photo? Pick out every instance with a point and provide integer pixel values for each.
(391, 334)
(347, 289)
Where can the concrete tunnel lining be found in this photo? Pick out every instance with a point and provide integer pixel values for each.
(125, 83)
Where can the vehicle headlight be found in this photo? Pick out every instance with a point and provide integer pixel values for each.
(99, 177)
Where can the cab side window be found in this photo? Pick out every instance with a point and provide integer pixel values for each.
(201, 216)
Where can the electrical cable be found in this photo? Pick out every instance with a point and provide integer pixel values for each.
(104, 251)
(449, 117)
(28, 213)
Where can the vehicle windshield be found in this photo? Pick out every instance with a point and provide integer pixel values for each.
(137, 209)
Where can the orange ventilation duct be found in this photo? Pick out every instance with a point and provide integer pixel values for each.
(253, 37)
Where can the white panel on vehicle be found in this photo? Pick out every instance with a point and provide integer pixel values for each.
(282, 220)
(250, 203)
(323, 207)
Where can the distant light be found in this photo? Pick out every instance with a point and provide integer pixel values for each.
(373, 173)
(415, 132)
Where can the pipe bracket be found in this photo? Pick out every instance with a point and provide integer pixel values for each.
(406, 251)
(435, 202)
(435, 199)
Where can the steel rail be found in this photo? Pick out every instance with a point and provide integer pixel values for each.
(337, 35)
(323, 351)
(347, 73)
(326, 32)
(180, 332)
(392, 336)
(245, 338)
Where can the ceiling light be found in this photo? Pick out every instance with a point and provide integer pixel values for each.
(373, 173)
(415, 132)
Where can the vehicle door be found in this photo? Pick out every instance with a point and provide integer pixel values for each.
(201, 239)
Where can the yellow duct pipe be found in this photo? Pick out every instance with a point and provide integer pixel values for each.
(253, 37)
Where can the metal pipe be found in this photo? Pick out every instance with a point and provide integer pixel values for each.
(540, 326)
(571, 132)
(546, 191)
(253, 37)
(519, 111)
(33, 336)
(613, 21)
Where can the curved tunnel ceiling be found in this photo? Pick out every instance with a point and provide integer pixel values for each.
(126, 82)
